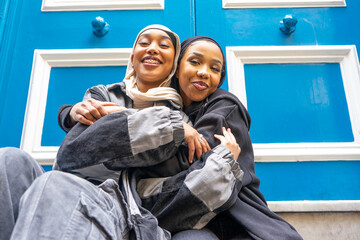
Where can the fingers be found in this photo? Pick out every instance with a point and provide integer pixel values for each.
(228, 135)
(231, 135)
(107, 104)
(85, 121)
(191, 147)
(221, 138)
(96, 109)
(88, 111)
(198, 149)
(112, 109)
(206, 146)
(228, 140)
(195, 141)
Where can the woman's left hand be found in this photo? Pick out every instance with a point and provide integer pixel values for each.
(229, 141)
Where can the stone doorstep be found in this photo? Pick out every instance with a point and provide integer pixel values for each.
(325, 225)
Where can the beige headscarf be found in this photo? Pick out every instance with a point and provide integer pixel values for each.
(164, 91)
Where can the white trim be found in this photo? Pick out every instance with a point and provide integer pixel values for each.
(282, 3)
(43, 61)
(315, 206)
(345, 55)
(95, 5)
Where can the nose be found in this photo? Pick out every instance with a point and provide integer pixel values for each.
(152, 48)
(203, 73)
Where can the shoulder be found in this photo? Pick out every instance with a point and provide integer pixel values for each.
(115, 87)
(221, 95)
(227, 104)
(109, 92)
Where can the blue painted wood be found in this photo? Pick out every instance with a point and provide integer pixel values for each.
(260, 27)
(9, 18)
(338, 180)
(47, 168)
(70, 30)
(4, 5)
(66, 87)
(292, 103)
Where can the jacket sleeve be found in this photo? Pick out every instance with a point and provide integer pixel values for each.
(64, 117)
(130, 138)
(226, 113)
(191, 198)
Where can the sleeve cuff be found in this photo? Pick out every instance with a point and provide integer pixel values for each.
(227, 156)
(178, 128)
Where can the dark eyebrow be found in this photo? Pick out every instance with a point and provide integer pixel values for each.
(200, 55)
(148, 35)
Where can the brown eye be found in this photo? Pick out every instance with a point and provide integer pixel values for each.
(163, 45)
(216, 69)
(194, 62)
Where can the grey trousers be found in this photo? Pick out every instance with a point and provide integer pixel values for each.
(60, 205)
(17, 172)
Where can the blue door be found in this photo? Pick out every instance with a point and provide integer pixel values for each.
(301, 90)
(50, 56)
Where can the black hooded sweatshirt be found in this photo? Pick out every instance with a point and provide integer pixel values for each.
(249, 217)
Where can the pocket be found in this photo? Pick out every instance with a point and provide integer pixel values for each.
(94, 221)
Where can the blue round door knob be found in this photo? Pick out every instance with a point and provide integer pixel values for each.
(100, 27)
(288, 24)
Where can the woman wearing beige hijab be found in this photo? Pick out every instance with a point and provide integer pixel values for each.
(64, 206)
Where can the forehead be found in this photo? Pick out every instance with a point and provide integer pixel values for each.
(205, 48)
(155, 33)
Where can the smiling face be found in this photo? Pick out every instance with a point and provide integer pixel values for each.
(153, 58)
(199, 71)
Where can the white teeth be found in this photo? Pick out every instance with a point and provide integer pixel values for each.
(151, 61)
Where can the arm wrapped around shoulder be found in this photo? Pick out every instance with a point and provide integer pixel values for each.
(130, 138)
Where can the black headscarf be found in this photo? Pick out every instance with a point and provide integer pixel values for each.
(184, 46)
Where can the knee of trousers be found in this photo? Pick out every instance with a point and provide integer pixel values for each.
(15, 162)
(57, 183)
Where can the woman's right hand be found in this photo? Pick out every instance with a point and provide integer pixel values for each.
(195, 141)
(229, 141)
(88, 111)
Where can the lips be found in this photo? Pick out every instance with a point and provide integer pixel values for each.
(199, 85)
(151, 61)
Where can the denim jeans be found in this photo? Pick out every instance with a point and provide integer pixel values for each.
(68, 207)
(17, 172)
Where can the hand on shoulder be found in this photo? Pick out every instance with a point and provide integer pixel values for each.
(90, 110)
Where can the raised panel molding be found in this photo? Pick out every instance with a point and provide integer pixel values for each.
(93, 5)
(282, 3)
(43, 61)
(346, 56)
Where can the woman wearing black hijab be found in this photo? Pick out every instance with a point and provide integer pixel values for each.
(249, 217)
